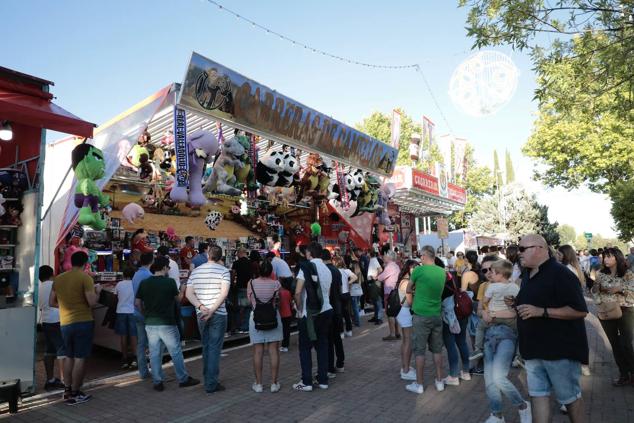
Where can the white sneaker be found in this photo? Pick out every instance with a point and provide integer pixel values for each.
(256, 387)
(495, 419)
(451, 381)
(275, 387)
(361, 313)
(342, 335)
(410, 375)
(348, 333)
(585, 370)
(283, 349)
(415, 388)
(340, 369)
(323, 386)
(440, 386)
(299, 386)
(332, 375)
(563, 409)
(526, 416)
(476, 355)
(465, 375)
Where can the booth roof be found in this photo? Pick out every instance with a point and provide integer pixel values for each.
(420, 203)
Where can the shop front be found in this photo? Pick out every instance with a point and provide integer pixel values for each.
(26, 112)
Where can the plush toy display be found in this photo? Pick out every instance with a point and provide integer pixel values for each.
(316, 177)
(269, 168)
(213, 219)
(245, 175)
(315, 229)
(2, 201)
(202, 146)
(171, 233)
(369, 198)
(287, 177)
(89, 166)
(386, 192)
(74, 245)
(223, 179)
(132, 212)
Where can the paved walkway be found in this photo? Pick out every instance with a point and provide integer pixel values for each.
(369, 390)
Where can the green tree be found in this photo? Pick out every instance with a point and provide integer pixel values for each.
(546, 228)
(567, 234)
(585, 82)
(622, 196)
(510, 172)
(510, 211)
(497, 172)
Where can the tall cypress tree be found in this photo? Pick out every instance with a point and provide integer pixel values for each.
(510, 172)
(497, 173)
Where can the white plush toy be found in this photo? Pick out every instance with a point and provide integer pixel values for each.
(291, 167)
(269, 168)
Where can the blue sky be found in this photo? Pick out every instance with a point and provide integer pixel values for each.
(106, 56)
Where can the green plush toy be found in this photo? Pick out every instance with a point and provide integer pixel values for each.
(315, 229)
(89, 166)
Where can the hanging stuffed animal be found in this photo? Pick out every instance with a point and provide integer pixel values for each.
(223, 178)
(74, 245)
(291, 167)
(324, 177)
(269, 168)
(245, 175)
(89, 166)
(386, 192)
(2, 201)
(132, 212)
(213, 219)
(369, 197)
(310, 180)
(202, 147)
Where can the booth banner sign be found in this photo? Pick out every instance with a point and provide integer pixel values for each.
(425, 182)
(401, 178)
(457, 194)
(396, 129)
(180, 147)
(226, 95)
(442, 227)
(441, 171)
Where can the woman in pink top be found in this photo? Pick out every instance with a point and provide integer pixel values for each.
(265, 288)
(389, 278)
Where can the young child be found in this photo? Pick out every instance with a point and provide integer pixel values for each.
(52, 332)
(126, 325)
(286, 312)
(499, 288)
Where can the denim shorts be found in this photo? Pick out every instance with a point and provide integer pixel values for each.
(78, 339)
(426, 332)
(560, 376)
(125, 324)
(53, 340)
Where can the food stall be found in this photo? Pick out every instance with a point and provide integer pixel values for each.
(26, 112)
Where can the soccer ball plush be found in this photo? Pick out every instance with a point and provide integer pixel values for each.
(213, 219)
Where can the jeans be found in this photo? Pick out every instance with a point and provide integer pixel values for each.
(212, 335)
(499, 350)
(286, 331)
(335, 346)
(378, 308)
(561, 376)
(168, 334)
(141, 346)
(323, 322)
(345, 310)
(619, 333)
(355, 310)
(456, 344)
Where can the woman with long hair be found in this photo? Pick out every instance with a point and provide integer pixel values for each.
(615, 284)
(513, 255)
(356, 291)
(404, 319)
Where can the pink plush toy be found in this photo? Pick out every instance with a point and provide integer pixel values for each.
(132, 212)
(73, 246)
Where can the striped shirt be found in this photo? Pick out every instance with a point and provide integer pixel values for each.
(207, 280)
(264, 289)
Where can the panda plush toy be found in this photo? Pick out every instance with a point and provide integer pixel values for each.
(350, 185)
(291, 168)
(358, 181)
(269, 168)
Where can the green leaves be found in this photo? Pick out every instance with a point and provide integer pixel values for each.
(622, 196)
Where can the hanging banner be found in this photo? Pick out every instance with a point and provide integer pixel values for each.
(459, 159)
(180, 147)
(223, 94)
(427, 142)
(456, 193)
(396, 129)
(443, 180)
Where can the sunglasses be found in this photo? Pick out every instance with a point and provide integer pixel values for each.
(522, 249)
(487, 270)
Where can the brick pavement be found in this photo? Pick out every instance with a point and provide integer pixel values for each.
(369, 390)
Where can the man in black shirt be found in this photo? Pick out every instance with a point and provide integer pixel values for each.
(241, 274)
(552, 333)
(335, 343)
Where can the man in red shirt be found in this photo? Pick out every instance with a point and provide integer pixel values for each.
(187, 252)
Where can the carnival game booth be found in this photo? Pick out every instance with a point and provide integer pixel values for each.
(26, 111)
(222, 158)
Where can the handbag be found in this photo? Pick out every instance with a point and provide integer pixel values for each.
(609, 310)
(356, 290)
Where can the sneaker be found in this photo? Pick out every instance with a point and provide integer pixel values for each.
(133, 365)
(299, 386)
(78, 398)
(440, 385)
(465, 375)
(585, 370)
(389, 338)
(332, 375)
(361, 313)
(54, 384)
(275, 387)
(189, 382)
(518, 362)
(526, 415)
(372, 320)
(563, 409)
(322, 386)
(378, 322)
(476, 355)
(219, 388)
(67, 394)
(476, 371)
(340, 369)
(258, 387)
(159, 387)
(398, 336)
(348, 333)
(451, 381)
(283, 349)
(415, 388)
(410, 375)
(495, 419)
(125, 366)
(621, 381)
(342, 335)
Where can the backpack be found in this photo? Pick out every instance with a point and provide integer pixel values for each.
(463, 306)
(335, 290)
(394, 303)
(314, 296)
(264, 314)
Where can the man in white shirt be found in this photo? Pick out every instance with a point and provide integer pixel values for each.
(313, 290)
(52, 332)
(207, 290)
(281, 269)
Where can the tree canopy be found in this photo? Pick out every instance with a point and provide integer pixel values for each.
(622, 195)
(567, 234)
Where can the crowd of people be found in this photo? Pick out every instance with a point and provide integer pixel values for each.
(522, 305)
